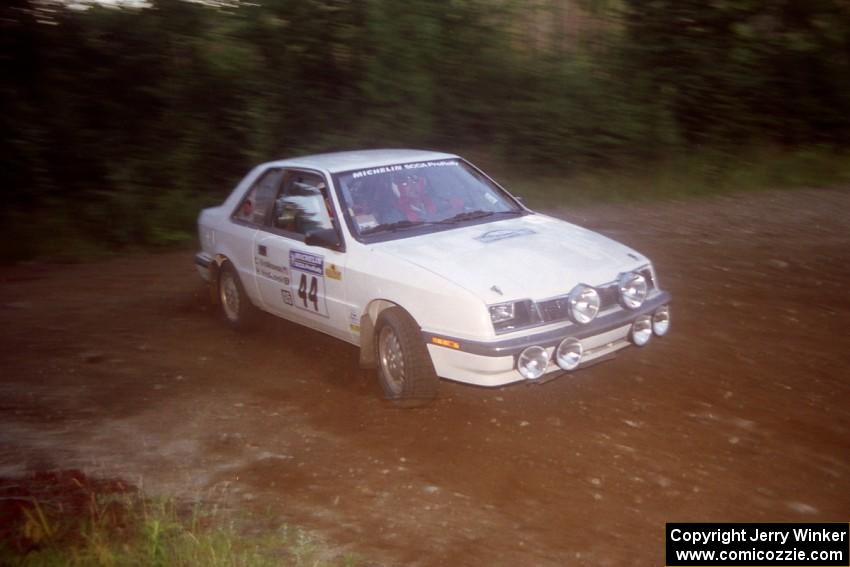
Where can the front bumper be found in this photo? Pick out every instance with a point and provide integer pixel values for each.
(202, 263)
(493, 363)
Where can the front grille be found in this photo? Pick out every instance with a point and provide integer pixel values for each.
(554, 309)
(608, 296)
(558, 309)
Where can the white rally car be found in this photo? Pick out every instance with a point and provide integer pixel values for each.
(427, 265)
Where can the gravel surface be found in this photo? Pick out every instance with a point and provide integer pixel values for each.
(121, 369)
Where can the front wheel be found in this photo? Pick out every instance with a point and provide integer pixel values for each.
(405, 370)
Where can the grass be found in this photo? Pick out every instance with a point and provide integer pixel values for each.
(694, 175)
(83, 526)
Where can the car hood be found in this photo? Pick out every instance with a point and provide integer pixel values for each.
(533, 256)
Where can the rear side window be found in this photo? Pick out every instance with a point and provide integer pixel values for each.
(255, 207)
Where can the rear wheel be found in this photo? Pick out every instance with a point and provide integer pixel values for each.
(405, 370)
(236, 308)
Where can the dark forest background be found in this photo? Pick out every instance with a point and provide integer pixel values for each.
(117, 123)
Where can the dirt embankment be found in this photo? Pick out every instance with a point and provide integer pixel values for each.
(742, 413)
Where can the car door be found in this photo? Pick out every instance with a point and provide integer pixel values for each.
(236, 238)
(298, 281)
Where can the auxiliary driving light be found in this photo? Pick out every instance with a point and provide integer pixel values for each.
(641, 330)
(661, 320)
(632, 286)
(532, 362)
(568, 355)
(584, 303)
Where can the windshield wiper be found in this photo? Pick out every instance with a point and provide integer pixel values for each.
(472, 215)
(393, 226)
(460, 217)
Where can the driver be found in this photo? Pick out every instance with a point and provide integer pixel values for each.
(414, 202)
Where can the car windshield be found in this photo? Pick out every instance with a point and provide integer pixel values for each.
(389, 201)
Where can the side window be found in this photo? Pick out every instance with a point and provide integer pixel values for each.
(302, 204)
(258, 202)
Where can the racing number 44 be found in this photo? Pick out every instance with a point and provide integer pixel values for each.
(312, 295)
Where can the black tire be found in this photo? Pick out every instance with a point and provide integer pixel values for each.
(236, 308)
(405, 371)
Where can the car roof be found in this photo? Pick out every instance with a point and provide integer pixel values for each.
(361, 159)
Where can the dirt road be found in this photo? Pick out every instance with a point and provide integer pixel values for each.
(742, 413)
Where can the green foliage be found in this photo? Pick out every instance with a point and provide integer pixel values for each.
(128, 530)
(120, 122)
(746, 70)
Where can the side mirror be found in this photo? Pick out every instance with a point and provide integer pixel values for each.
(324, 237)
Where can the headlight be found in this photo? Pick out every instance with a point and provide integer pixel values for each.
(584, 303)
(502, 312)
(632, 288)
(513, 315)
